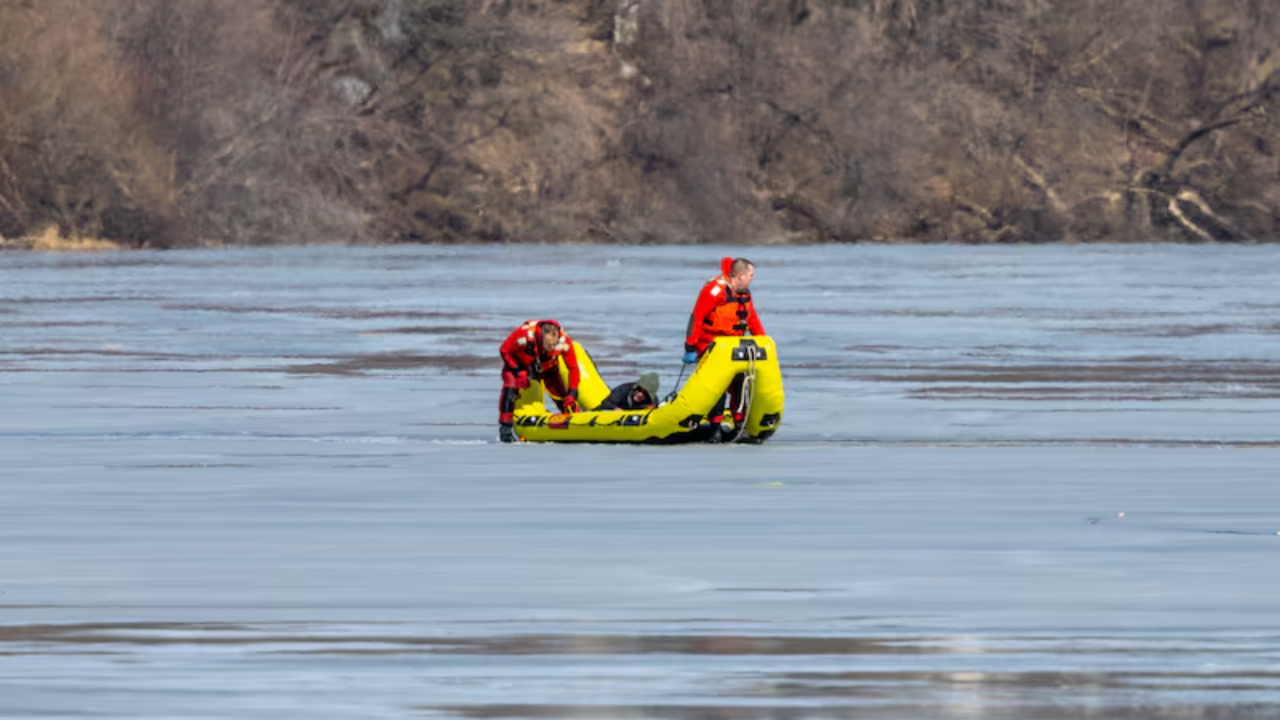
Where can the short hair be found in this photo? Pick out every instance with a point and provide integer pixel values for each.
(548, 328)
(740, 265)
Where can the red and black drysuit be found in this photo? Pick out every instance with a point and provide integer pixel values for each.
(524, 360)
(721, 312)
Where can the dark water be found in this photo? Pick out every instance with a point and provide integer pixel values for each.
(1011, 483)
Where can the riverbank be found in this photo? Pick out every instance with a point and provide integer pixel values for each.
(50, 240)
(664, 121)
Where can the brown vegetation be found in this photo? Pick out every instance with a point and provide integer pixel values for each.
(287, 121)
(51, 239)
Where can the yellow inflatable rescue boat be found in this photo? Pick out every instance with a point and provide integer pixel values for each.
(681, 419)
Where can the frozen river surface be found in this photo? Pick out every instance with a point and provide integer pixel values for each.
(1018, 482)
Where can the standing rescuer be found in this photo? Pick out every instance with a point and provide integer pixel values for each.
(724, 308)
(531, 353)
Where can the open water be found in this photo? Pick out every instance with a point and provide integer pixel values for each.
(1013, 482)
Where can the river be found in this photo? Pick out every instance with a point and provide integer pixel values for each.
(1011, 482)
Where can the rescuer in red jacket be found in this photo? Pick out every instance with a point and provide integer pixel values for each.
(530, 353)
(724, 308)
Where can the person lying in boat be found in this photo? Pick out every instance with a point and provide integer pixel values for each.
(640, 395)
(531, 353)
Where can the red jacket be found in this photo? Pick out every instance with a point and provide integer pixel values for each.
(719, 312)
(522, 350)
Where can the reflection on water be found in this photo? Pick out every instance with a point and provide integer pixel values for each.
(1011, 483)
(736, 677)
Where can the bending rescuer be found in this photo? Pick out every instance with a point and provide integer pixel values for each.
(531, 353)
(724, 308)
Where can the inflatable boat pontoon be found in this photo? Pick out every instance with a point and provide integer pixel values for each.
(683, 419)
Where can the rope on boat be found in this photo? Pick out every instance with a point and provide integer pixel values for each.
(744, 399)
(676, 390)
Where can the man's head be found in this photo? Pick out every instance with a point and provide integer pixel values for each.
(550, 336)
(645, 392)
(741, 273)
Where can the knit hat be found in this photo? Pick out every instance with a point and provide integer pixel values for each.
(649, 381)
